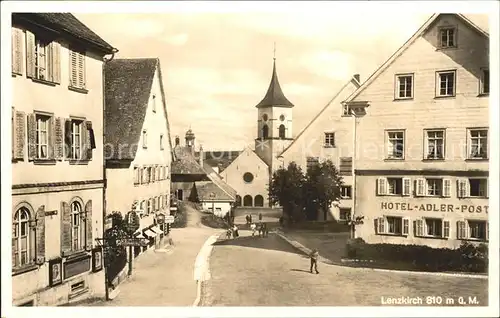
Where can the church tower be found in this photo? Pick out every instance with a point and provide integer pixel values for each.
(274, 123)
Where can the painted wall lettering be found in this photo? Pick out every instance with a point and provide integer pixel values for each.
(433, 207)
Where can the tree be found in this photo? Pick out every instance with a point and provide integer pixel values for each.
(286, 189)
(193, 196)
(322, 189)
(115, 256)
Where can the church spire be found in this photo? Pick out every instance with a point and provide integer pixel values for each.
(274, 96)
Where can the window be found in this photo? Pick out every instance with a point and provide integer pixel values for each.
(345, 110)
(434, 187)
(478, 187)
(265, 131)
(247, 177)
(218, 209)
(434, 227)
(42, 59)
(485, 82)
(264, 117)
(329, 139)
(77, 227)
(477, 229)
(404, 86)
(150, 203)
(42, 136)
(395, 186)
(161, 142)
(76, 139)
(311, 162)
(154, 103)
(478, 143)
(346, 192)
(447, 37)
(136, 175)
(394, 225)
(445, 84)
(395, 144)
(345, 214)
(144, 139)
(77, 69)
(282, 117)
(282, 131)
(345, 166)
(22, 245)
(435, 144)
(77, 286)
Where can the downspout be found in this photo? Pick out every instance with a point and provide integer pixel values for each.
(353, 166)
(105, 60)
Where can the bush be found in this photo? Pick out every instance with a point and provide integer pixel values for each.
(467, 258)
(180, 219)
(214, 222)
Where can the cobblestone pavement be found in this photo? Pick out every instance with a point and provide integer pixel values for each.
(252, 271)
(166, 279)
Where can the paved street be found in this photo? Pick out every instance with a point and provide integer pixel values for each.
(166, 279)
(269, 272)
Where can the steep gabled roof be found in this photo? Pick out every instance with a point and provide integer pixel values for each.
(185, 162)
(221, 159)
(408, 43)
(217, 179)
(205, 189)
(274, 95)
(353, 80)
(127, 89)
(69, 24)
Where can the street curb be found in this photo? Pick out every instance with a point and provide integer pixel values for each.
(307, 251)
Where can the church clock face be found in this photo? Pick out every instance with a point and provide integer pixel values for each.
(282, 117)
(264, 117)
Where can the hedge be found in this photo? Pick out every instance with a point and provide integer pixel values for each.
(213, 221)
(467, 258)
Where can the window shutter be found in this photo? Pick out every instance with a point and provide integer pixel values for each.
(89, 135)
(420, 187)
(56, 62)
(420, 228)
(406, 226)
(31, 136)
(486, 192)
(30, 54)
(406, 186)
(85, 143)
(446, 187)
(19, 135)
(50, 64)
(17, 51)
(381, 225)
(461, 230)
(462, 188)
(446, 229)
(40, 235)
(67, 138)
(65, 228)
(52, 137)
(59, 139)
(73, 67)
(381, 187)
(487, 231)
(81, 70)
(88, 224)
(136, 175)
(154, 204)
(141, 172)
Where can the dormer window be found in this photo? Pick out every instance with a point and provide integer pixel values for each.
(447, 37)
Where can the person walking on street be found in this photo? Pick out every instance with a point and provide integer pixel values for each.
(250, 218)
(260, 216)
(314, 260)
(253, 227)
(235, 231)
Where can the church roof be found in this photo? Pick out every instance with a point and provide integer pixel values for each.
(185, 162)
(221, 159)
(274, 95)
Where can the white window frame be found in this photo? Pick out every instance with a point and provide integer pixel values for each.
(439, 74)
(42, 59)
(479, 138)
(343, 189)
(349, 213)
(422, 230)
(482, 90)
(483, 183)
(447, 30)
(329, 140)
(438, 230)
(399, 83)
(432, 138)
(383, 225)
(438, 187)
(390, 154)
(40, 132)
(22, 220)
(77, 226)
(391, 183)
(469, 230)
(76, 147)
(144, 139)
(346, 110)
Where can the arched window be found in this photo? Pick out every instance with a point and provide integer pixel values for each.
(238, 200)
(247, 200)
(265, 131)
(77, 226)
(282, 131)
(259, 200)
(22, 238)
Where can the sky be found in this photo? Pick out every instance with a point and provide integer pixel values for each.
(217, 66)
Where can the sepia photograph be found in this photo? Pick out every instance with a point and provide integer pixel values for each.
(288, 158)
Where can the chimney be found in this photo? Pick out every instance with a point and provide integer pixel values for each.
(177, 141)
(356, 77)
(201, 155)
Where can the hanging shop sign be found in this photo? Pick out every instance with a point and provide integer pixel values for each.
(169, 219)
(132, 221)
(434, 207)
